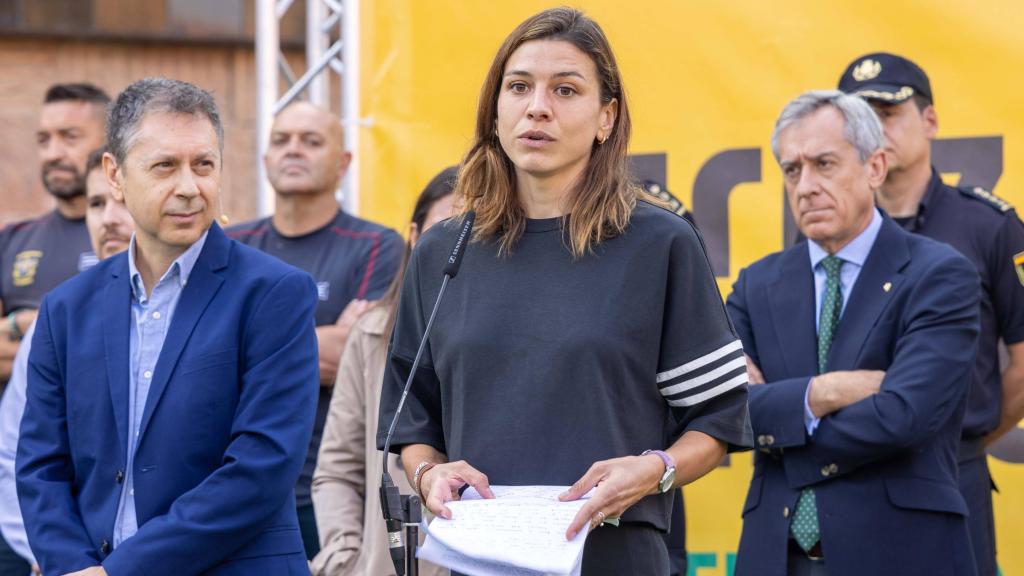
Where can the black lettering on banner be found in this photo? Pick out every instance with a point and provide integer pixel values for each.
(790, 233)
(649, 167)
(715, 180)
(978, 160)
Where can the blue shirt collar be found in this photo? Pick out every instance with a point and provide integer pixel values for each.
(180, 269)
(857, 250)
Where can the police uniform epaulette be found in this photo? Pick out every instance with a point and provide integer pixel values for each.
(982, 195)
(672, 203)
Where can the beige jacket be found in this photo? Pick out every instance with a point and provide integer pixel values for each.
(353, 539)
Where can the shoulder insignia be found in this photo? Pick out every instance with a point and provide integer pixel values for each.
(979, 193)
(672, 203)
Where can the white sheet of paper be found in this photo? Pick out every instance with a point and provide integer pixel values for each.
(434, 551)
(523, 527)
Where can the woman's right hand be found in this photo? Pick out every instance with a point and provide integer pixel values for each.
(441, 484)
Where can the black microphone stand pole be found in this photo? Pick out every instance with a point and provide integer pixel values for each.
(411, 508)
(403, 511)
(401, 514)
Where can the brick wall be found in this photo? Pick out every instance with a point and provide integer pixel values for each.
(29, 65)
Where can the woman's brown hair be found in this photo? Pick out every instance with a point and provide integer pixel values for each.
(603, 199)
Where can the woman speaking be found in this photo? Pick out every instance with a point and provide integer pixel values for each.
(585, 341)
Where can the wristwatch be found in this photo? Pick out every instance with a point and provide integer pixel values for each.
(669, 477)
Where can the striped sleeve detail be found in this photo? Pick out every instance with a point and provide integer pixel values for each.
(706, 377)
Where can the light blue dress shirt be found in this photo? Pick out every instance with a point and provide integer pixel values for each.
(853, 256)
(151, 319)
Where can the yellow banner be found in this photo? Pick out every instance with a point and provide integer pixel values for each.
(705, 81)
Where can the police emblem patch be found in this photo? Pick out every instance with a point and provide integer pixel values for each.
(25, 265)
(1018, 265)
(867, 70)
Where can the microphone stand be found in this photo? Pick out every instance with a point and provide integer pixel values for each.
(402, 511)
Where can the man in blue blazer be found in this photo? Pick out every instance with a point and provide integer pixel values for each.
(172, 388)
(860, 340)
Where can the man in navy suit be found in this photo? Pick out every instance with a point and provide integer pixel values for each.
(172, 388)
(860, 340)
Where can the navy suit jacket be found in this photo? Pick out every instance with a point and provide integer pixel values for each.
(883, 469)
(224, 430)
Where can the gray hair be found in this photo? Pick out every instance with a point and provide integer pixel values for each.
(156, 95)
(863, 129)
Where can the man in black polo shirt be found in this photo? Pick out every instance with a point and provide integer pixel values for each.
(983, 228)
(352, 260)
(37, 255)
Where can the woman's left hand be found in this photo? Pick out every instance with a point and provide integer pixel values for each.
(621, 482)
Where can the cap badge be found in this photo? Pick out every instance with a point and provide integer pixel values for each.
(867, 70)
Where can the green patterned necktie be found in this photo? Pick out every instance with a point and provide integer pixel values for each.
(805, 518)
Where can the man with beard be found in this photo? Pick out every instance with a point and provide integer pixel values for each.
(37, 255)
(351, 259)
(110, 230)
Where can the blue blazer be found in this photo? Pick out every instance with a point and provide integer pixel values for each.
(883, 469)
(224, 430)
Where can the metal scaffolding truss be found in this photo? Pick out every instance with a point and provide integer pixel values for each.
(325, 21)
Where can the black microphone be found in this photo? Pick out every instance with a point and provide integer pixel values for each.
(455, 260)
(391, 502)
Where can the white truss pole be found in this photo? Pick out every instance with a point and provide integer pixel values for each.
(350, 102)
(316, 45)
(267, 48)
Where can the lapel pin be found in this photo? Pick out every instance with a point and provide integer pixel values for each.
(887, 286)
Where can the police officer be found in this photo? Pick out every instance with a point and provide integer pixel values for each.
(982, 227)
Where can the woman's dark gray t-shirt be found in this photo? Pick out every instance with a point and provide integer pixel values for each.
(539, 365)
